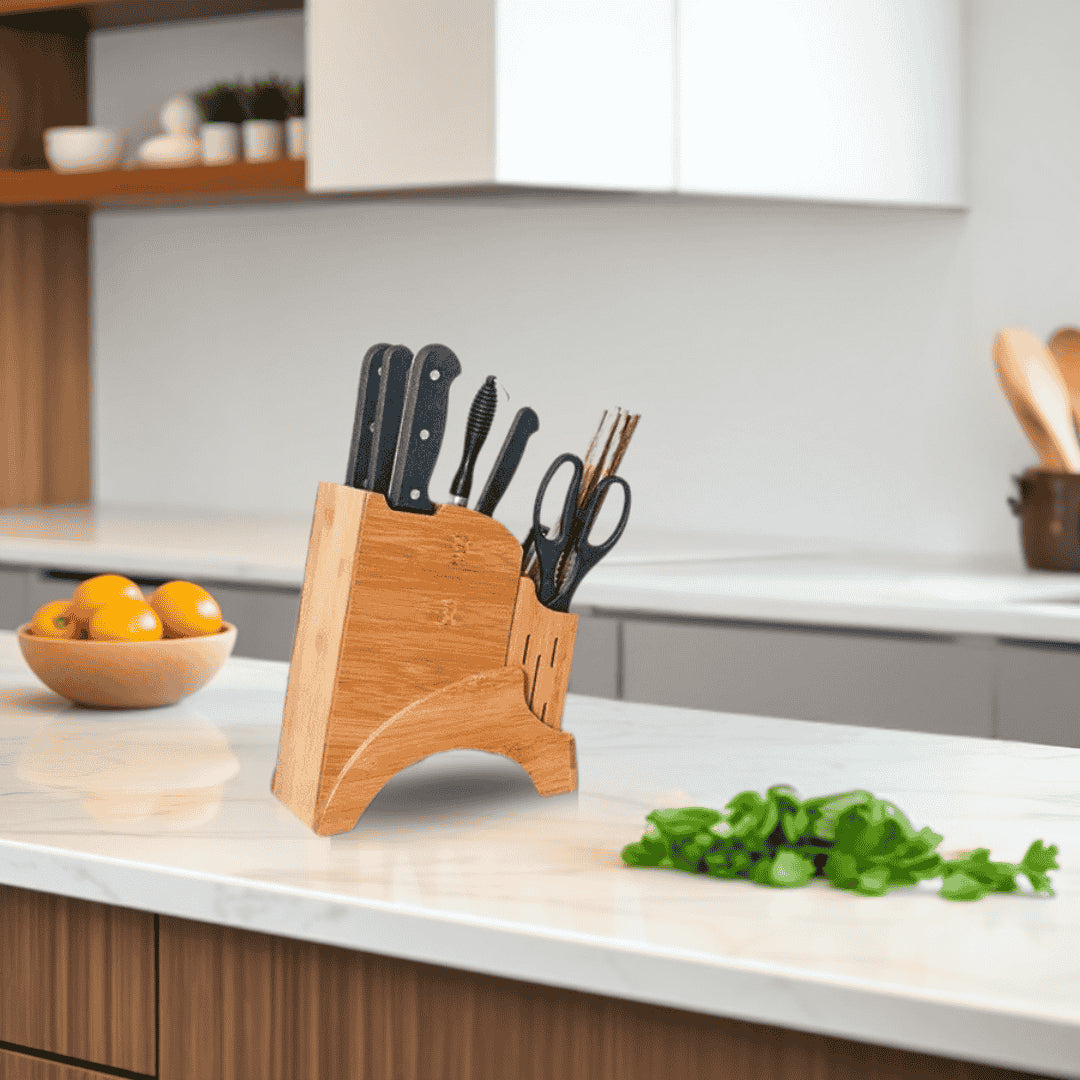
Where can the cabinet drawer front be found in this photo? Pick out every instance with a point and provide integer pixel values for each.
(596, 657)
(14, 597)
(25, 1067)
(1038, 693)
(80, 980)
(847, 677)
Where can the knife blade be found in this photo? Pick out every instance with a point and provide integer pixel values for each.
(423, 424)
(524, 425)
(393, 383)
(367, 397)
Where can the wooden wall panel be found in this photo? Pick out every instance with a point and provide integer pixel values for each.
(78, 979)
(44, 284)
(17, 1066)
(242, 1006)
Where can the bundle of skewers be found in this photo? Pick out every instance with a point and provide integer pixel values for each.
(602, 461)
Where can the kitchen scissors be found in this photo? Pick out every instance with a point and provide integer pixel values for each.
(567, 556)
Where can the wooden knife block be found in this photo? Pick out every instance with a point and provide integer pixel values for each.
(417, 633)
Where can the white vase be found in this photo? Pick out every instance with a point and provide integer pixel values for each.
(295, 137)
(262, 140)
(220, 143)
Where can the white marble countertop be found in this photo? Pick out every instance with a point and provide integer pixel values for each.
(458, 862)
(731, 576)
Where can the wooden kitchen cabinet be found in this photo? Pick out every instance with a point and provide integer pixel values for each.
(822, 99)
(1037, 692)
(18, 1066)
(563, 93)
(908, 682)
(78, 981)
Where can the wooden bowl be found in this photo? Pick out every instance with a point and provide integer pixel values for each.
(127, 674)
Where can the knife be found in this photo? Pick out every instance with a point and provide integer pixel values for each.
(393, 383)
(367, 397)
(423, 424)
(481, 414)
(523, 427)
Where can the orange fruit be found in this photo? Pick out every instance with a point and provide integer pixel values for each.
(125, 619)
(97, 591)
(55, 620)
(186, 609)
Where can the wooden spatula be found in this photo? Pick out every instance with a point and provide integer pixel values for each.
(1037, 392)
(1064, 346)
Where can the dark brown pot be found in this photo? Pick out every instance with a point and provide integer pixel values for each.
(1049, 512)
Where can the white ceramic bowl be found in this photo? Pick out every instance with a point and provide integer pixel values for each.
(83, 149)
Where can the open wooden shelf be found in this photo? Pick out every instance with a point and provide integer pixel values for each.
(101, 14)
(194, 184)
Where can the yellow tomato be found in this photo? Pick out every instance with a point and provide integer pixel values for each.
(125, 619)
(186, 609)
(55, 620)
(96, 592)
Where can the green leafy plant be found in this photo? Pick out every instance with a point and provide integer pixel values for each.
(294, 98)
(855, 841)
(220, 104)
(264, 99)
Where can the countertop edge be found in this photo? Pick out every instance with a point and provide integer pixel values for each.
(784, 999)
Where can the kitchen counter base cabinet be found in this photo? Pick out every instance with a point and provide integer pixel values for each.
(245, 1006)
(1038, 692)
(19, 1066)
(907, 682)
(595, 670)
(76, 980)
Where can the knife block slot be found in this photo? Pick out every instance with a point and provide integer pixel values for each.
(416, 634)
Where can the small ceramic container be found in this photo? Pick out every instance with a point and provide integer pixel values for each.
(83, 149)
(295, 137)
(220, 143)
(262, 140)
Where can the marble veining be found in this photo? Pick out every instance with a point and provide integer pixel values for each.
(459, 862)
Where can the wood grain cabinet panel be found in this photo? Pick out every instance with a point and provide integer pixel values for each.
(848, 677)
(242, 1006)
(16, 1066)
(78, 979)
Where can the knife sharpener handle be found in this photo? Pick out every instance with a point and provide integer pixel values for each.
(481, 415)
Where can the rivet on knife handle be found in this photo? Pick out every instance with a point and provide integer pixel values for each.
(422, 427)
(523, 427)
(367, 396)
(393, 385)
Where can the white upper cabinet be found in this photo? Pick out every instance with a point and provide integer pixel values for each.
(850, 100)
(561, 93)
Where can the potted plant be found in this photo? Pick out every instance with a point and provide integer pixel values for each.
(222, 112)
(265, 109)
(295, 135)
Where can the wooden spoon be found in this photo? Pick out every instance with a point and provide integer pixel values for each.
(1064, 345)
(1037, 392)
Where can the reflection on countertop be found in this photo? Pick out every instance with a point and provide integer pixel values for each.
(131, 768)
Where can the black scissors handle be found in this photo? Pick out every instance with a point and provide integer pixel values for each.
(551, 547)
(584, 555)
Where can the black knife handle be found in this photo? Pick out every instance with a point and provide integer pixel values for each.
(523, 427)
(393, 383)
(481, 414)
(422, 427)
(367, 397)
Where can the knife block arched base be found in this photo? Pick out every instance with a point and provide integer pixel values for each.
(416, 634)
(482, 712)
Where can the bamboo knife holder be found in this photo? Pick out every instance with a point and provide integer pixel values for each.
(417, 633)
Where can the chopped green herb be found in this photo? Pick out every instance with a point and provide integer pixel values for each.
(855, 841)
